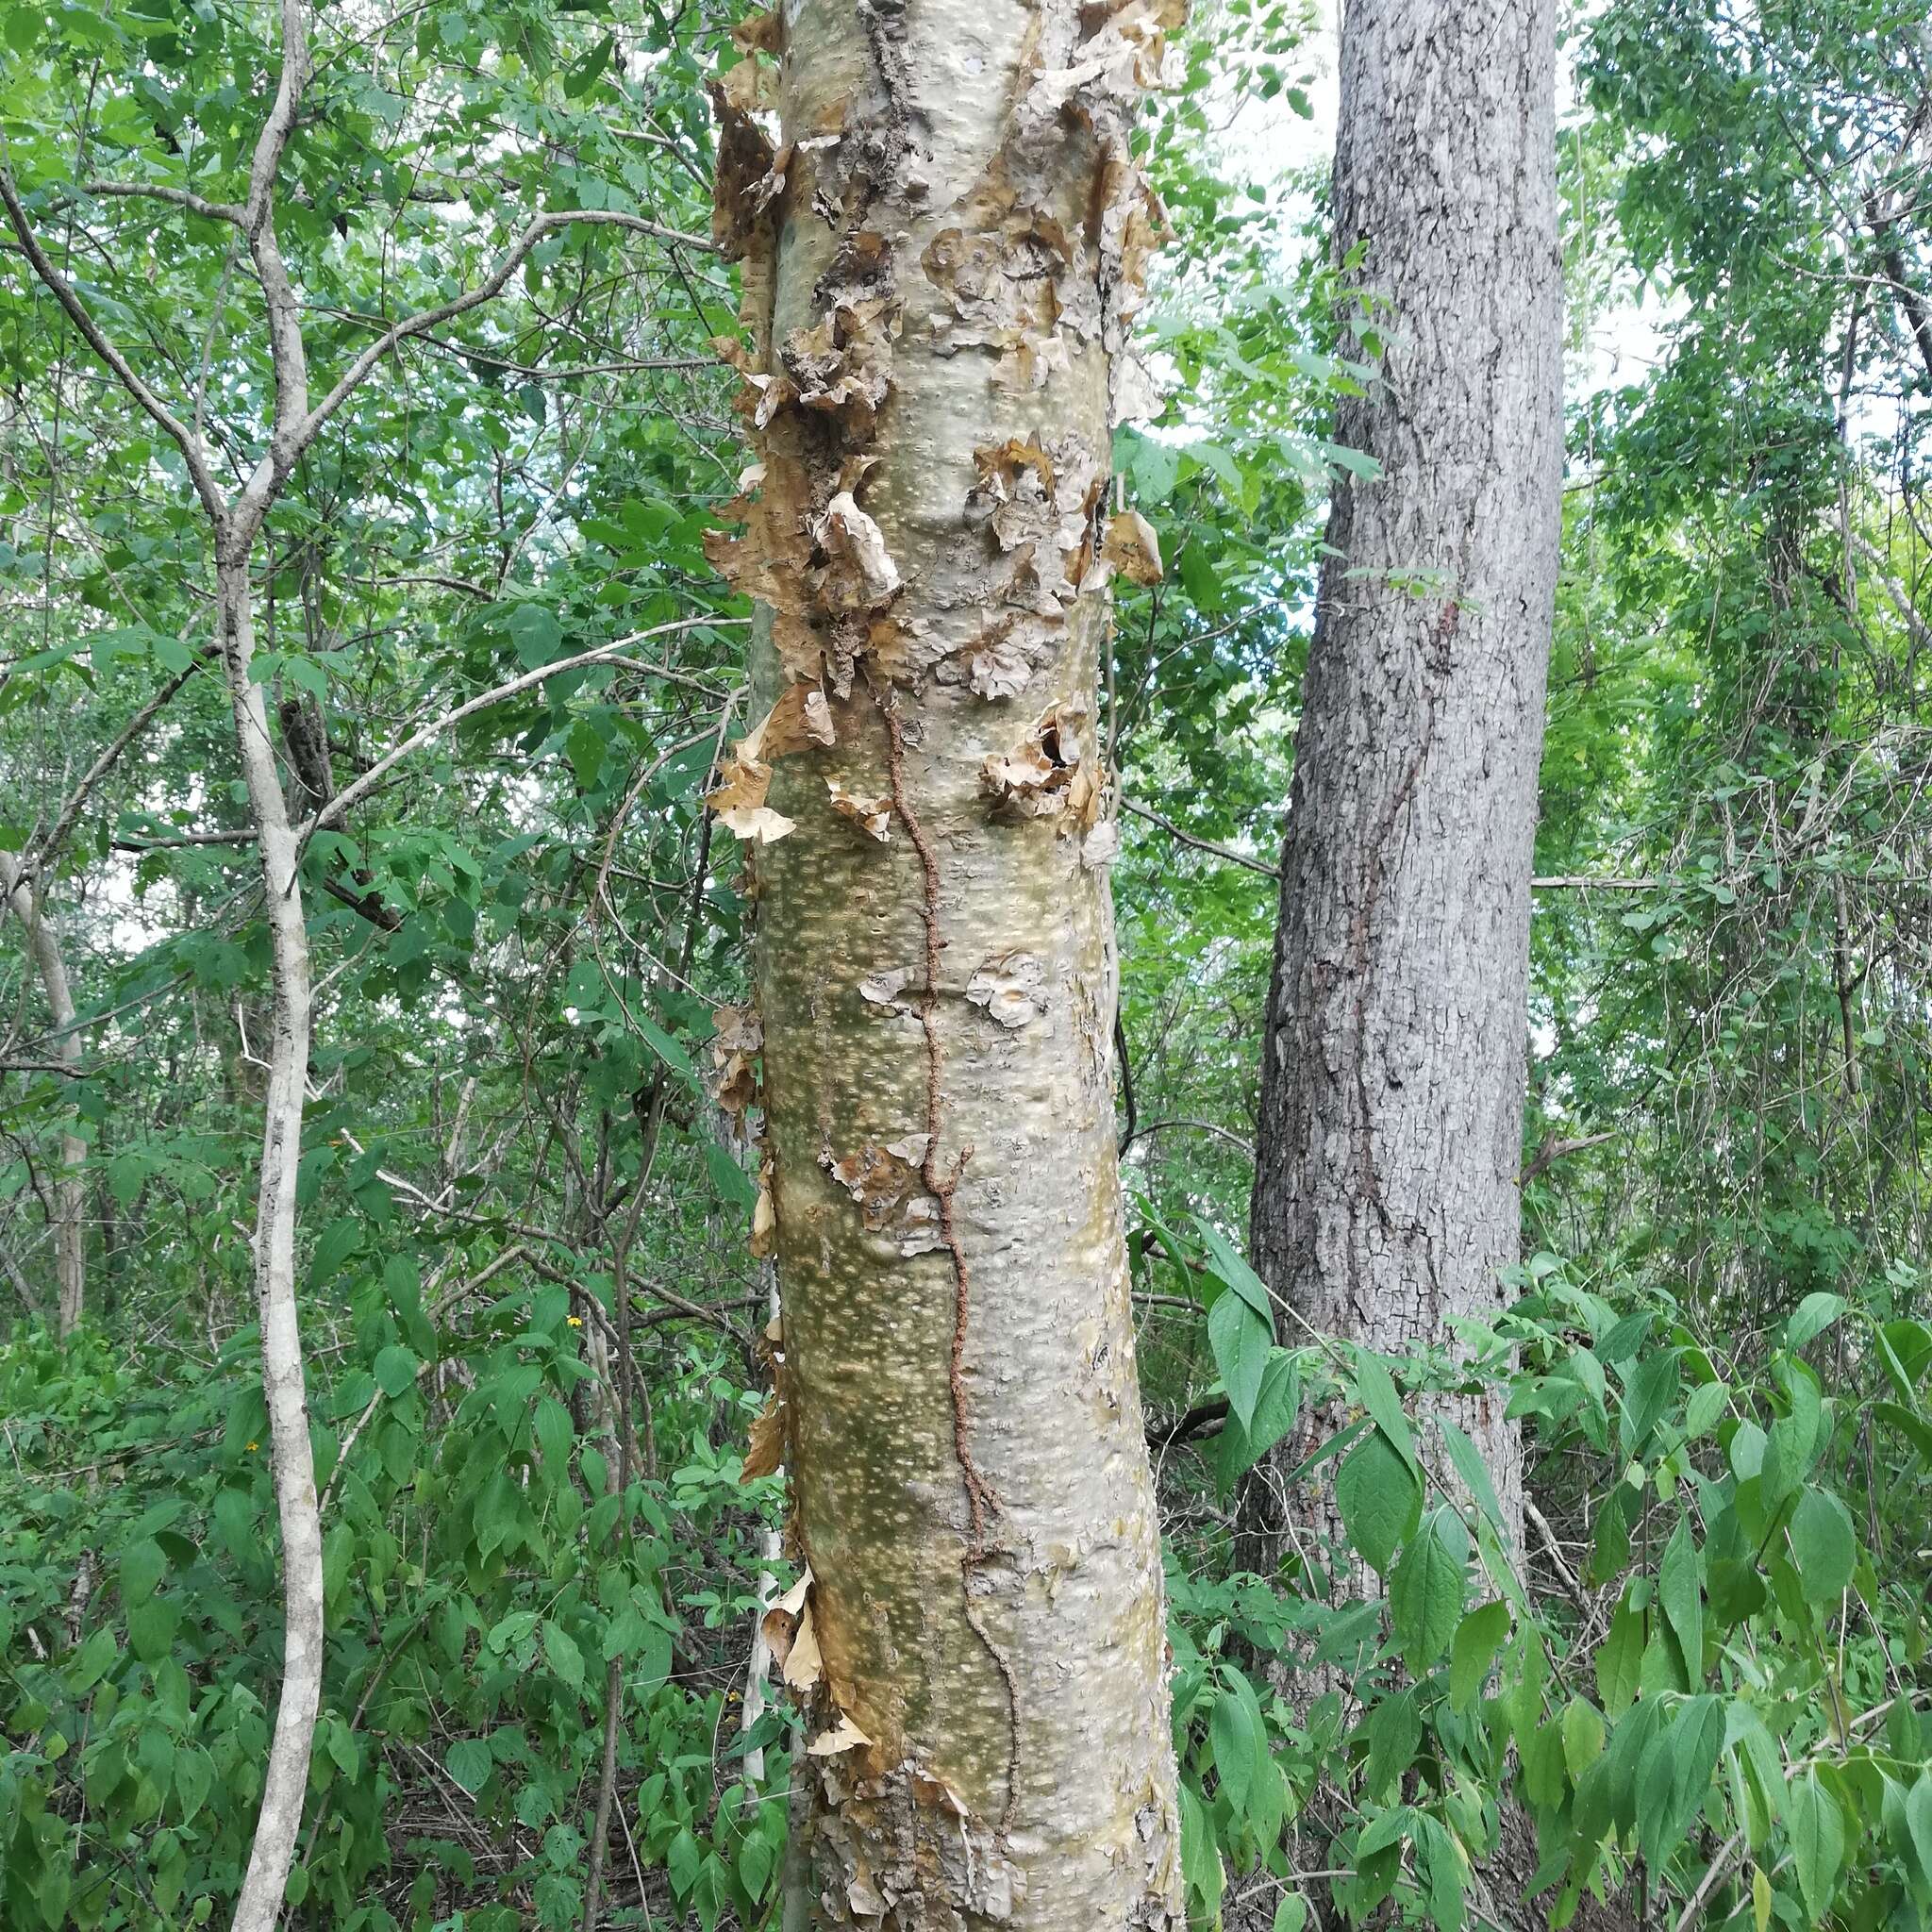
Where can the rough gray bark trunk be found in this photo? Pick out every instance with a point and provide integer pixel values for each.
(940, 252)
(69, 1190)
(1392, 1078)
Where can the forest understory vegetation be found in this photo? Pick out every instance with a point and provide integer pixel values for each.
(922, 1006)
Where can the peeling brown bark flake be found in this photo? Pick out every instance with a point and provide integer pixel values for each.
(942, 237)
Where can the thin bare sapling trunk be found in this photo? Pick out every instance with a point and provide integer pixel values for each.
(28, 902)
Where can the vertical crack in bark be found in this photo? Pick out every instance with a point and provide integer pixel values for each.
(1361, 944)
(942, 1187)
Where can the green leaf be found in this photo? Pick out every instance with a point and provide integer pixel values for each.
(1229, 1267)
(1817, 1833)
(1376, 1389)
(1154, 467)
(668, 1050)
(1240, 1339)
(554, 1433)
(1683, 1605)
(562, 1654)
(1425, 1593)
(1442, 1863)
(1275, 1408)
(1394, 1730)
(92, 1661)
(1239, 1739)
(142, 1566)
(1469, 1465)
(1649, 1392)
(469, 1762)
(194, 1774)
(1918, 1824)
(1583, 1736)
(395, 1369)
(1200, 1859)
(1702, 1411)
(1825, 1545)
(1478, 1637)
(1679, 1779)
(1391, 1828)
(1290, 1914)
(1379, 1498)
(1914, 1428)
(1812, 1317)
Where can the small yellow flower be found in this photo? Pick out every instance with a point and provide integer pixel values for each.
(575, 1321)
(252, 1447)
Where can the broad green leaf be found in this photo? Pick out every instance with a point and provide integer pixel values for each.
(1230, 1268)
(1702, 1411)
(395, 1369)
(1395, 1729)
(1376, 1389)
(1379, 1498)
(562, 1654)
(1825, 1545)
(1817, 1833)
(1468, 1463)
(1648, 1394)
(1679, 1594)
(1426, 1592)
(142, 1566)
(1478, 1637)
(1620, 1659)
(1240, 1339)
(554, 1433)
(1918, 1824)
(1812, 1317)
(92, 1661)
(1391, 1828)
(1583, 1736)
(1276, 1406)
(469, 1762)
(1239, 1741)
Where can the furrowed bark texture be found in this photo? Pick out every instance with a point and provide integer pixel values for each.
(69, 1190)
(940, 252)
(1385, 1197)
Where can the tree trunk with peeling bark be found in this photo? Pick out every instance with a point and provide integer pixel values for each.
(28, 902)
(1385, 1199)
(941, 251)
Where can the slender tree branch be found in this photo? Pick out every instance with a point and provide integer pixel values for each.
(47, 850)
(1147, 1127)
(1173, 831)
(491, 285)
(192, 453)
(177, 197)
(353, 794)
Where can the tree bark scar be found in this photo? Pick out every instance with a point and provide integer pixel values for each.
(980, 1500)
